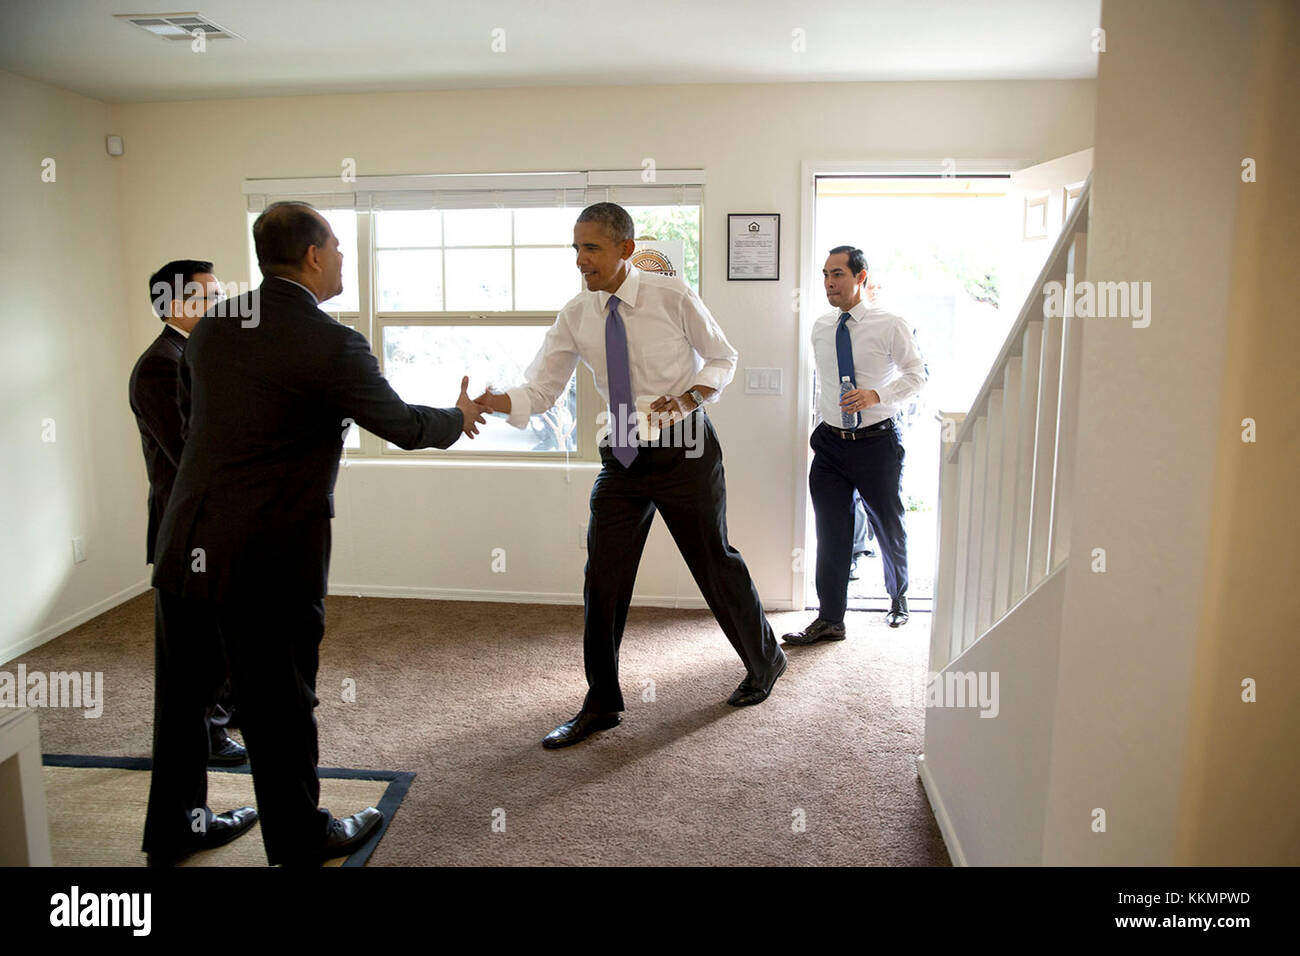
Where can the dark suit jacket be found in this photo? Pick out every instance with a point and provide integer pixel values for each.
(158, 415)
(249, 515)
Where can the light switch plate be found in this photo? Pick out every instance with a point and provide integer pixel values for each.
(763, 381)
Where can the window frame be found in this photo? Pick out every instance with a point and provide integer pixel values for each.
(371, 322)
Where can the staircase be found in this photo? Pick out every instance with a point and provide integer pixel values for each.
(1004, 479)
(1003, 538)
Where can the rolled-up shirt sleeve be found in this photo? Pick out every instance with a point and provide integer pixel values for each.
(910, 364)
(707, 338)
(547, 376)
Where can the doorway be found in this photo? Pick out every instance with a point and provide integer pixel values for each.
(937, 249)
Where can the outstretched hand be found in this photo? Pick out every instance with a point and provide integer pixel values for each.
(494, 402)
(470, 410)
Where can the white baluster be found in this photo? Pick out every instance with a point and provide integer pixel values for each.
(978, 480)
(1011, 427)
(1031, 359)
(992, 501)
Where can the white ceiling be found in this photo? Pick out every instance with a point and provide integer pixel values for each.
(335, 46)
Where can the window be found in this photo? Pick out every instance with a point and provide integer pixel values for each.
(464, 279)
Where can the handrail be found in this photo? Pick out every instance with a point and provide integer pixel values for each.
(1014, 338)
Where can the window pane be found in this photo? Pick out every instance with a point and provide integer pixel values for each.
(545, 227)
(352, 438)
(344, 224)
(477, 227)
(478, 280)
(413, 227)
(425, 363)
(673, 222)
(409, 280)
(545, 279)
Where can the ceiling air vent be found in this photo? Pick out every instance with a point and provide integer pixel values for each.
(178, 26)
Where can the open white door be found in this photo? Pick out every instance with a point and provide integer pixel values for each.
(1041, 197)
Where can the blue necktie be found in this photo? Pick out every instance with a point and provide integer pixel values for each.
(621, 406)
(844, 356)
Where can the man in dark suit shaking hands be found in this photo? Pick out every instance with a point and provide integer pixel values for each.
(269, 384)
(180, 292)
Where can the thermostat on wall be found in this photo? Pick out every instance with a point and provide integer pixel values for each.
(114, 145)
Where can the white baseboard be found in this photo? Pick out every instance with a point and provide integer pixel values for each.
(940, 813)
(514, 597)
(74, 620)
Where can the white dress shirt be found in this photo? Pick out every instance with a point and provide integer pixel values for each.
(673, 343)
(178, 329)
(885, 358)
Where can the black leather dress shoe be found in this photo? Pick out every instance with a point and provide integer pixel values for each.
(349, 833)
(897, 612)
(580, 728)
(222, 828)
(818, 630)
(342, 838)
(749, 692)
(225, 751)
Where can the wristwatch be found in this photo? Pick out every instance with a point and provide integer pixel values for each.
(696, 397)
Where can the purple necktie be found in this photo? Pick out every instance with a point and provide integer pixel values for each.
(621, 406)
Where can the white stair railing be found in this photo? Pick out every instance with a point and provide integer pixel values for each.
(1005, 466)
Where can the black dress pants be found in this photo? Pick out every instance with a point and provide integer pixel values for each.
(688, 488)
(189, 670)
(872, 464)
(273, 646)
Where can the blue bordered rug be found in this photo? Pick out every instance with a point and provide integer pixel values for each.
(399, 781)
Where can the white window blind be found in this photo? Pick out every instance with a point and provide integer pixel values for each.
(483, 190)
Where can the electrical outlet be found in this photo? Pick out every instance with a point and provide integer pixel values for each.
(78, 550)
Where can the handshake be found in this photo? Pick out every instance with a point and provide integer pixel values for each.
(664, 411)
(472, 410)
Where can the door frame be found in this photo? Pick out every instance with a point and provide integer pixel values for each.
(808, 312)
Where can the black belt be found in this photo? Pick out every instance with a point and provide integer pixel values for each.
(879, 428)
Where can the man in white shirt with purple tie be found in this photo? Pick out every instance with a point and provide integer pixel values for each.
(868, 367)
(645, 335)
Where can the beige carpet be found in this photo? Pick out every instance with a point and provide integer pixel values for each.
(96, 814)
(462, 693)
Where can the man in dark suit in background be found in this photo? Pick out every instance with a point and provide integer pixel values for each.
(180, 292)
(269, 385)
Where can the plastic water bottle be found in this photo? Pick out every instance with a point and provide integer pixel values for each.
(849, 421)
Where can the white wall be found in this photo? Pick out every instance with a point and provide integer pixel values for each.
(68, 354)
(1238, 796)
(78, 254)
(1171, 109)
(986, 777)
(429, 528)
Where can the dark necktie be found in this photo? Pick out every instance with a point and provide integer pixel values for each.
(621, 406)
(844, 356)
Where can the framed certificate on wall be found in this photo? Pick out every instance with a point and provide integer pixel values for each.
(754, 246)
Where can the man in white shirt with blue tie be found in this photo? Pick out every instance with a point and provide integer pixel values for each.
(868, 366)
(645, 335)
